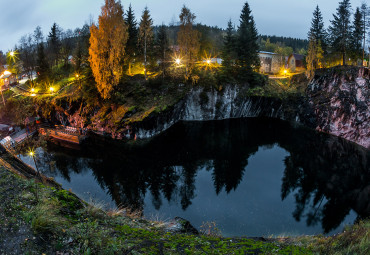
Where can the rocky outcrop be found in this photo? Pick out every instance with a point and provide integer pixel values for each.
(337, 101)
(340, 99)
(200, 105)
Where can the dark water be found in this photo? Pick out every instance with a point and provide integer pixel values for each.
(254, 177)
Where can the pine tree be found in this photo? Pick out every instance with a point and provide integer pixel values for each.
(131, 45)
(357, 34)
(146, 36)
(54, 44)
(317, 31)
(340, 29)
(365, 12)
(42, 67)
(188, 40)
(107, 47)
(246, 43)
(228, 49)
(163, 48)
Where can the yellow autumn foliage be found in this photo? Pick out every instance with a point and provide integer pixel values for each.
(107, 47)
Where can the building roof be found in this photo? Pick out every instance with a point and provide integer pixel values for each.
(266, 52)
(297, 56)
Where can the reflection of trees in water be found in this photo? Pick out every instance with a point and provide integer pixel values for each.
(327, 175)
(330, 181)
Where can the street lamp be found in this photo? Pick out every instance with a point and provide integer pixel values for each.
(31, 153)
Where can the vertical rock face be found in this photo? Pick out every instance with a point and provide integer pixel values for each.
(337, 102)
(200, 105)
(340, 99)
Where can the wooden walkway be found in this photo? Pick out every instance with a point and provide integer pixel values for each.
(66, 134)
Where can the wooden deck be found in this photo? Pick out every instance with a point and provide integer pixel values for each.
(69, 134)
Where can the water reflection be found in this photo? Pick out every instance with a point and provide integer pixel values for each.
(327, 175)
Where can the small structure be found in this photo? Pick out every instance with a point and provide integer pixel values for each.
(295, 62)
(270, 62)
(8, 79)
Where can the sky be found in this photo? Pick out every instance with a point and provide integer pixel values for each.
(289, 18)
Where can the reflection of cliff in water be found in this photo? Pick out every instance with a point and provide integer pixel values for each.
(329, 176)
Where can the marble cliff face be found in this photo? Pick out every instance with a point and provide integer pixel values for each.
(337, 101)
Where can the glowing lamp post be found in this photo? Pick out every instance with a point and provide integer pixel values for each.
(32, 155)
(178, 61)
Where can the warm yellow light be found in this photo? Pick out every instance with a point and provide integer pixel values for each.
(11, 53)
(31, 153)
(77, 75)
(33, 95)
(51, 89)
(7, 72)
(285, 71)
(208, 61)
(178, 61)
(32, 90)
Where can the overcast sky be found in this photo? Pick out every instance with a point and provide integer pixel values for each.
(284, 17)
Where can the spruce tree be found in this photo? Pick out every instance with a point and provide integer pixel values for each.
(365, 12)
(54, 44)
(340, 30)
(246, 43)
(228, 49)
(162, 48)
(146, 36)
(357, 35)
(42, 67)
(131, 45)
(317, 32)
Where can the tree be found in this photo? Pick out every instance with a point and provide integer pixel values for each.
(246, 43)
(357, 34)
(188, 40)
(54, 44)
(340, 29)
(228, 50)
(317, 32)
(42, 68)
(66, 45)
(162, 48)
(131, 45)
(27, 52)
(145, 35)
(107, 47)
(314, 57)
(365, 12)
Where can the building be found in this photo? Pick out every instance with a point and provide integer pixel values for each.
(8, 79)
(295, 62)
(270, 62)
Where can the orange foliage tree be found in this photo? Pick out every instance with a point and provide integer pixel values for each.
(107, 47)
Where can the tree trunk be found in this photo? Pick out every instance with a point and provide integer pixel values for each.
(145, 57)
